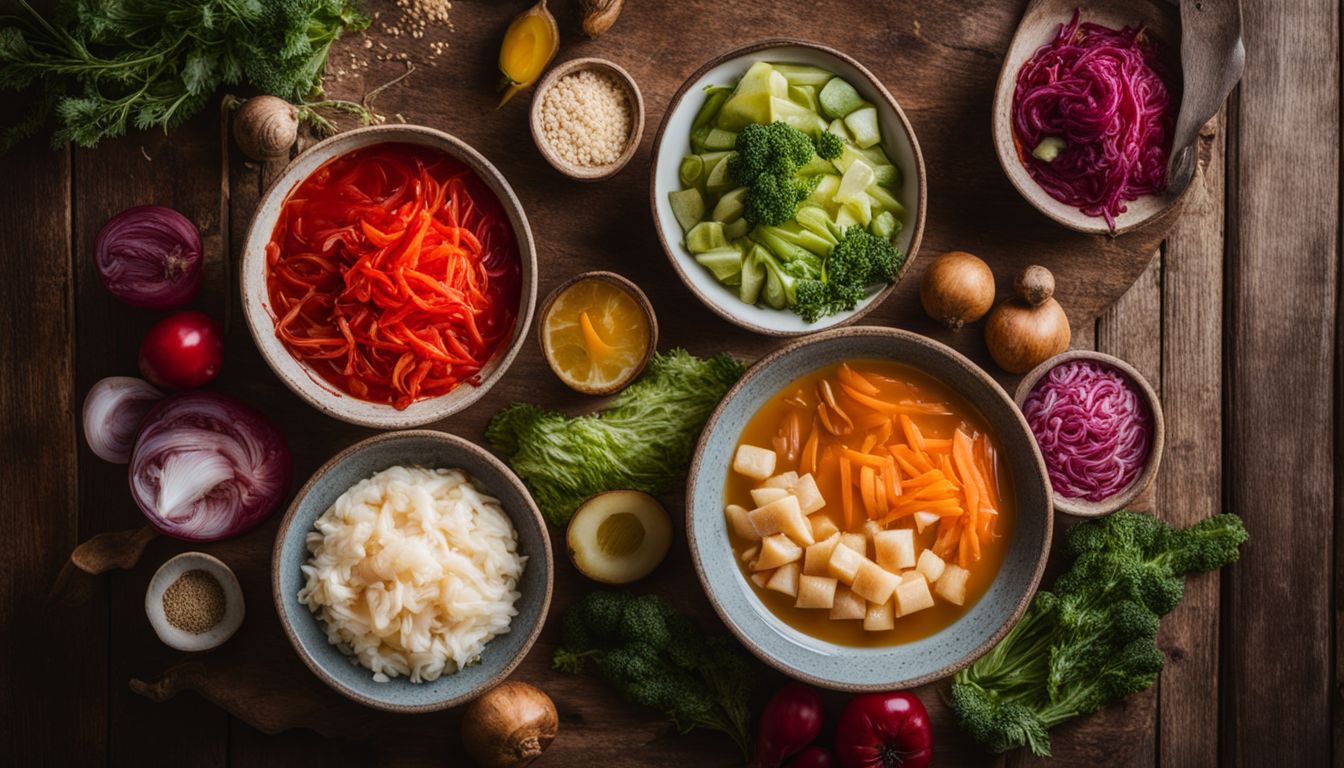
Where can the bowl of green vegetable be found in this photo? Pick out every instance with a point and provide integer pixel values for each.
(788, 188)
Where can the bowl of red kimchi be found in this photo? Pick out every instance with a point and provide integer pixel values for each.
(389, 276)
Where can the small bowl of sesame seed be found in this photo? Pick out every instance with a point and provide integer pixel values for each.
(587, 118)
(194, 602)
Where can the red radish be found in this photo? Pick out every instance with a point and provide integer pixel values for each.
(789, 723)
(182, 351)
(814, 757)
(884, 730)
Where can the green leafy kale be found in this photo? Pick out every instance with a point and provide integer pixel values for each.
(643, 441)
(658, 658)
(103, 67)
(767, 162)
(1091, 641)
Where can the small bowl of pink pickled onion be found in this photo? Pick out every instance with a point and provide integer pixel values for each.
(1098, 423)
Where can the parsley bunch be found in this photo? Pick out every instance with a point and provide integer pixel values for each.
(101, 66)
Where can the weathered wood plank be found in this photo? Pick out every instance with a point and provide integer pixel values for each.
(38, 475)
(1189, 488)
(180, 171)
(1276, 627)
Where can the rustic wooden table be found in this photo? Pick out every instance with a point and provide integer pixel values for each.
(1236, 320)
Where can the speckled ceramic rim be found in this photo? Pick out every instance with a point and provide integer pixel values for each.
(302, 380)
(624, 284)
(1026, 39)
(504, 474)
(1122, 499)
(633, 95)
(766, 628)
(672, 252)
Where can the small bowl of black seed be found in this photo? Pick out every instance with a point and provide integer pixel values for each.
(194, 602)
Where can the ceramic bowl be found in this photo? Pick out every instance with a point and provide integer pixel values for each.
(673, 143)
(307, 384)
(646, 306)
(843, 667)
(1127, 495)
(634, 100)
(169, 573)
(424, 448)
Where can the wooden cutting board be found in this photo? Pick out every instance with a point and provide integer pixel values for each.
(940, 59)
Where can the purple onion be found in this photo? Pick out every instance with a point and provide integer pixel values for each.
(206, 467)
(113, 411)
(150, 257)
(1100, 90)
(1093, 427)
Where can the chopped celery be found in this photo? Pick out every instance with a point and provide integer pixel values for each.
(804, 96)
(862, 208)
(750, 101)
(816, 167)
(848, 154)
(885, 225)
(837, 127)
(887, 175)
(729, 207)
(718, 179)
(817, 221)
(844, 218)
(883, 199)
(718, 139)
(802, 118)
(724, 263)
(705, 236)
(753, 276)
(838, 98)
(862, 124)
(855, 181)
(688, 205)
(692, 171)
(826, 189)
(801, 74)
(715, 96)
(736, 229)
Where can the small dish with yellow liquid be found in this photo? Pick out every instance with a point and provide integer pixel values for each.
(597, 332)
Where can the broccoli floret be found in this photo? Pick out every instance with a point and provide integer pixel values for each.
(829, 146)
(862, 258)
(643, 622)
(602, 612)
(766, 163)
(815, 299)
(1091, 641)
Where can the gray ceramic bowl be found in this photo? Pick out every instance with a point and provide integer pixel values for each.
(429, 449)
(261, 319)
(845, 667)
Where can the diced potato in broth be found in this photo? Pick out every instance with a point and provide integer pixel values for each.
(898, 557)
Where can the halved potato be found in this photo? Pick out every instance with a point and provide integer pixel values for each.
(618, 537)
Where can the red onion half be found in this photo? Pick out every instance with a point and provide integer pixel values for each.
(207, 467)
(150, 256)
(1102, 92)
(1093, 426)
(113, 411)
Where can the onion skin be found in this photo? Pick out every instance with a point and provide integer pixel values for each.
(1030, 328)
(790, 721)
(957, 288)
(149, 256)
(509, 726)
(114, 409)
(227, 467)
(265, 127)
(815, 757)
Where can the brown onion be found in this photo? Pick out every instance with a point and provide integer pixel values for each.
(265, 127)
(1022, 333)
(509, 726)
(958, 288)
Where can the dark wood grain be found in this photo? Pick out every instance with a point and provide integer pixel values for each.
(38, 475)
(1190, 486)
(1280, 356)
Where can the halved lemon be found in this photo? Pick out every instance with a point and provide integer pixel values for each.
(618, 537)
(596, 333)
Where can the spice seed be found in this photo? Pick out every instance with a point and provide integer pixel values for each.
(195, 602)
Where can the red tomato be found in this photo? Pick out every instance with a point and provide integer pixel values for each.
(884, 730)
(183, 350)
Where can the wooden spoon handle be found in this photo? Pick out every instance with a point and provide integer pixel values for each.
(1212, 59)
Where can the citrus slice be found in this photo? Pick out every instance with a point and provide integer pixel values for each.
(596, 335)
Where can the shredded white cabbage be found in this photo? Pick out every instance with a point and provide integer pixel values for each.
(412, 571)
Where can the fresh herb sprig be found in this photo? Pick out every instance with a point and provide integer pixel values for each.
(100, 68)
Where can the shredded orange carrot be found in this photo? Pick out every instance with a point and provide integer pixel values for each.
(892, 481)
(867, 478)
(937, 445)
(854, 379)
(808, 461)
(846, 491)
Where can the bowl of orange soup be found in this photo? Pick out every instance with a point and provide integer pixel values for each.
(868, 510)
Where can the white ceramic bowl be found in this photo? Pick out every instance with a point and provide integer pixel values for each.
(261, 319)
(673, 143)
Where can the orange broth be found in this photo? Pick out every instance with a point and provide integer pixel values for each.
(896, 383)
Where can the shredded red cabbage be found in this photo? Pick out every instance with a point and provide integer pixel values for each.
(1102, 92)
(1093, 427)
